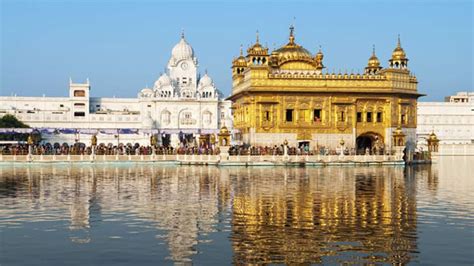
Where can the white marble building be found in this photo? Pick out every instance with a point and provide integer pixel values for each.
(180, 101)
(452, 121)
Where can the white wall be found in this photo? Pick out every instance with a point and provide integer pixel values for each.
(453, 123)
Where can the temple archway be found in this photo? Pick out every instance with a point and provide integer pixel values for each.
(369, 141)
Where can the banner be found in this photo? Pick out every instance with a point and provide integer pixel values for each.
(15, 130)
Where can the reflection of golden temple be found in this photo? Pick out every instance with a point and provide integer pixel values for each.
(309, 220)
(285, 95)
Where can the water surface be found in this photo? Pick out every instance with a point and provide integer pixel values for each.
(150, 214)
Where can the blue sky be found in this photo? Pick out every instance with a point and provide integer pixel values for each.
(121, 46)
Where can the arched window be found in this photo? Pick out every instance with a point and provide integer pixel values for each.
(79, 93)
(206, 118)
(165, 117)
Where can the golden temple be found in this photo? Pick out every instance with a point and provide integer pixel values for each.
(284, 95)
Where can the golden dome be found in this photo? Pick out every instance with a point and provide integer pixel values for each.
(398, 52)
(224, 131)
(257, 48)
(319, 55)
(240, 61)
(433, 136)
(373, 60)
(292, 51)
(319, 59)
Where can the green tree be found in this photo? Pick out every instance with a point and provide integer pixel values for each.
(10, 121)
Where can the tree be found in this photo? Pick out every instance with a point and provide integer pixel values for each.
(10, 121)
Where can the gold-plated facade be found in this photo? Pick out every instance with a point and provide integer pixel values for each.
(286, 95)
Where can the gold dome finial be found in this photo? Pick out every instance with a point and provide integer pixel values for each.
(374, 64)
(319, 59)
(319, 54)
(292, 52)
(257, 48)
(240, 61)
(292, 37)
(399, 58)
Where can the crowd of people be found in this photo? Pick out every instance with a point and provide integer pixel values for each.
(103, 149)
(301, 150)
(183, 148)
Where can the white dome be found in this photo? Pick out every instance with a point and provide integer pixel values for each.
(147, 91)
(205, 81)
(157, 85)
(182, 50)
(164, 80)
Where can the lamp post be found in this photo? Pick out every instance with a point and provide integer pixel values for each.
(76, 136)
(93, 145)
(118, 137)
(285, 148)
(212, 140)
(341, 142)
(153, 142)
(30, 147)
(75, 149)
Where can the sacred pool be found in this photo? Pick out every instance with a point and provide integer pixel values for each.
(145, 213)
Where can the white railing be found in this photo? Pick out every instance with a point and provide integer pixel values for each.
(207, 159)
(456, 150)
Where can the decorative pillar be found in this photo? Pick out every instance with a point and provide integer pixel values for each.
(213, 141)
(433, 142)
(285, 148)
(341, 142)
(398, 141)
(30, 148)
(93, 146)
(153, 141)
(398, 137)
(224, 142)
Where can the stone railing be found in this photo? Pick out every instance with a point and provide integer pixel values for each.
(205, 159)
(456, 150)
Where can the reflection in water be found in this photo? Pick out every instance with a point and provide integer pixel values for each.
(307, 215)
(275, 215)
(181, 201)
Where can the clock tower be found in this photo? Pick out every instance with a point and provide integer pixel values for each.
(182, 68)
